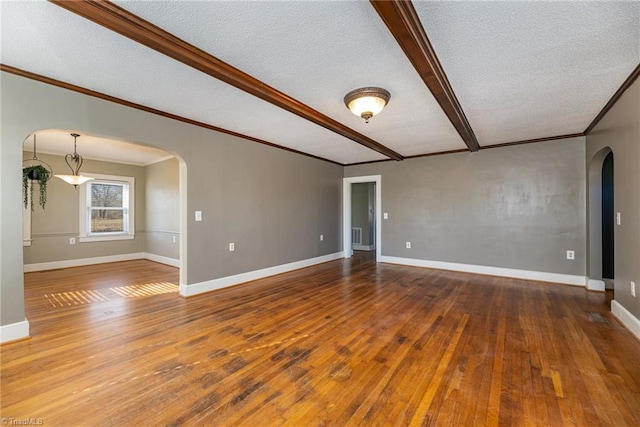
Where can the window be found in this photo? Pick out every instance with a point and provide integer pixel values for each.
(106, 208)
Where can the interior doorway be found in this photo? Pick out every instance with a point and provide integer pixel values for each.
(363, 218)
(157, 200)
(602, 219)
(608, 222)
(363, 193)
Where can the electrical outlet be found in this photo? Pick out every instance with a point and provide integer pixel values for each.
(321, 237)
(198, 215)
(618, 218)
(633, 289)
(385, 215)
(72, 240)
(571, 255)
(232, 247)
(174, 239)
(408, 245)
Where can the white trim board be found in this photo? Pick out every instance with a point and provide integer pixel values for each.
(363, 247)
(595, 285)
(162, 259)
(14, 331)
(223, 282)
(566, 279)
(626, 318)
(28, 268)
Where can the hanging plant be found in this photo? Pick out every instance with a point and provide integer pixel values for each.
(32, 174)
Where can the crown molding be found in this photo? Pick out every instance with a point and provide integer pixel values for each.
(139, 30)
(93, 93)
(616, 96)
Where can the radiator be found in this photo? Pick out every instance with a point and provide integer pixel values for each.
(356, 235)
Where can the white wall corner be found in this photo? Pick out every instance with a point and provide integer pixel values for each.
(626, 318)
(14, 331)
(162, 259)
(565, 279)
(223, 282)
(595, 285)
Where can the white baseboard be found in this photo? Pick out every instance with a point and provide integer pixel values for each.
(162, 259)
(363, 247)
(14, 331)
(566, 279)
(626, 318)
(28, 268)
(223, 282)
(595, 285)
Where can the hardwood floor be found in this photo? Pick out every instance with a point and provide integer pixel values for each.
(343, 343)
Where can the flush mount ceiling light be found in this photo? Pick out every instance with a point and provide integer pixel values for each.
(75, 179)
(366, 102)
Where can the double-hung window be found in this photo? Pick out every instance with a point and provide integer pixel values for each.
(107, 208)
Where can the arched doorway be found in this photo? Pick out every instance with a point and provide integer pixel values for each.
(608, 256)
(163, 234)
(601, 225)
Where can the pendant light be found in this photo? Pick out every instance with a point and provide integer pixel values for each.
(75, 178)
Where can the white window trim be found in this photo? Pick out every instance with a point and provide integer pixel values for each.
(82, 235)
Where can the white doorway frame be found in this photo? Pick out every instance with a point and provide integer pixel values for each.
(346, 213)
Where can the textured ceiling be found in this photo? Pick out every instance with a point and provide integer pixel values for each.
(521, 70)
(525, 70)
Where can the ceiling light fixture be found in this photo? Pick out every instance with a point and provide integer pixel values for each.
(75, 179)
(366, 102)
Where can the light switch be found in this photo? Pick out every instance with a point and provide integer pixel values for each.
(321, 237)
(618, 218)
(198, 215)
(385, 215)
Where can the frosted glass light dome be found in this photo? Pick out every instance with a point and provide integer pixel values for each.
(366, 102)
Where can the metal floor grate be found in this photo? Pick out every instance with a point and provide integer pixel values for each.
(597, 317)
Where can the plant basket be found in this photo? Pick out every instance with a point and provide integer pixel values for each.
(30, 176)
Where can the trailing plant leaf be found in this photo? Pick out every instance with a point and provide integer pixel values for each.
(37, 173)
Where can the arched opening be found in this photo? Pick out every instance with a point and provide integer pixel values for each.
(158, 181)
(608, 273)
(601, 225)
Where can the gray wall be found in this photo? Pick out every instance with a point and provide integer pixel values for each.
(620, 131)
(271, 203)
(51, 227)
(518, 207)
(163, 208)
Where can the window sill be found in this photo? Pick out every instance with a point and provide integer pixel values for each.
(83, 239)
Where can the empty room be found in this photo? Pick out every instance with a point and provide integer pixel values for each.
(298, 213)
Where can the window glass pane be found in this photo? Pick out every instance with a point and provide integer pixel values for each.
(106, 195)
(107, 221)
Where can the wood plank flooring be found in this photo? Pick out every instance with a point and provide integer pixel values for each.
(348, 342)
